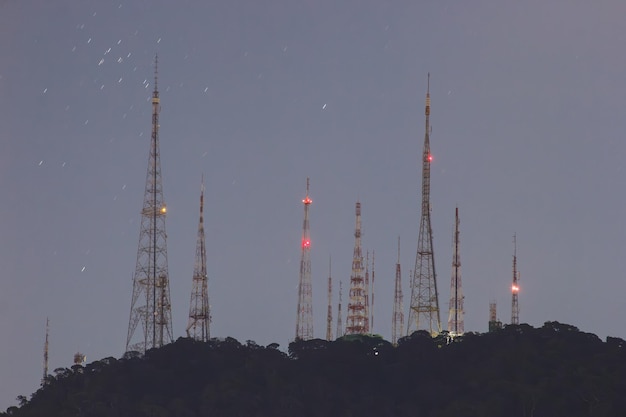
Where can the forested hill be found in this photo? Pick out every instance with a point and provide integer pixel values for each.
(551, 371)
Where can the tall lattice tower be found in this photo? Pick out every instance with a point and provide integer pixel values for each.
(515, 286)
(304, 322)
(494, 323)
(424, 310)
(329, 314)
(150, 303)
(198, 326)
(371, 292)
(357, 318)
(339, 331)
(367, 292)
(455, 317)
(45, 354)
(398, 307)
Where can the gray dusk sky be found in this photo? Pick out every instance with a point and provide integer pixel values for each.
(528, 122)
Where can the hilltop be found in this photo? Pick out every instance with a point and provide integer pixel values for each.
(555, 370)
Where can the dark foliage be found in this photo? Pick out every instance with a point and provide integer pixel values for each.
(555, 370)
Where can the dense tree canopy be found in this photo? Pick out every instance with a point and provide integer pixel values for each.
(555, 370)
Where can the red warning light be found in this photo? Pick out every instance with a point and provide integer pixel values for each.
(307, 200)
(514, 288)
(306, 244)
(430, 158)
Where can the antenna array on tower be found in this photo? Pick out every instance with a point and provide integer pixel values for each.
(455, 316)
(371, 290)
(398, 307)
(494, 323)
(45, 353)
(357, 318)
(339, 332)
(424, 309)
(150, 302)
(515, 286)
(198, 326)
(329, 314)
(367, 292)
(304, 320)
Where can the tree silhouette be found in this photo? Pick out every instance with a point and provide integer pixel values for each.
(554, 370)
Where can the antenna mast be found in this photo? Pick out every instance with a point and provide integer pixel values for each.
(371, 323)
(515, 286)
(398, 307)
(45, 353)
(357, 309)
(329, 315)
(367, 292)
(455, 316)
(424, 310)
(198, 326)
(150, 303)
(304, 321)
(339, 332)
(494, 323)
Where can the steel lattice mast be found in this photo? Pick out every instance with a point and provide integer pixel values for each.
(515, 286)
(329, 314)
(304, 321)
(339, 331)
(367, 292)
(455, 316)
(45, 353)
(424, 308)
(494, 323)
(198, 326)
(398, 307)
(357, 319)
(150, 303)
(371, 291)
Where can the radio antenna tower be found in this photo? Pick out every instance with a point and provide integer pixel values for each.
(494, 323)
(367, 291)
(339, 332)
(398, 307)
(198, 326)
(329, 315)
(515, 286)
(304, 322)
(357, 319)
(150, 303)
(45, 353)
(424, 310)
(455, 316)
(371, 323)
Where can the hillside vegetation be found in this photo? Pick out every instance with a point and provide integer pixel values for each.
(551, 371)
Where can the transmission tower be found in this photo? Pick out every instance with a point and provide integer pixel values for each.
(424, 310)
(515, 286)
(45, 353)
(329, 315)
(455, 316)
(304, 322)
(357, 319)
(198, 326)
(371, 292)
(398, 307)
(150, 303)
(339, 331)
(494, 323)
(367, 292)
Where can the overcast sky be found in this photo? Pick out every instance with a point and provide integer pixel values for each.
(528, 122)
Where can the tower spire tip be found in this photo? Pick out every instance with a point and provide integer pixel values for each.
(156, 71)
(427, 100)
